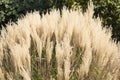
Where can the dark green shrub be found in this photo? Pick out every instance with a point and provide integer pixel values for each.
(13, 9)
(8, 11)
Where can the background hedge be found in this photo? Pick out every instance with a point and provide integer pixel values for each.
(107, 10)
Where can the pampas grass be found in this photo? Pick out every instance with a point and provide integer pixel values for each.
(67, 46)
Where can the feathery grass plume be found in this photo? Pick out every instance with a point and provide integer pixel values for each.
(49, 50)
(67, 55)
(1, 52)
(1, 74)
(70, 46)
(33, 30)
(104, 54)
(60, 60)
(25, 73)
(1, 60)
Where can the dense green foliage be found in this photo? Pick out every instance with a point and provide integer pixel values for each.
(12, 9)
(107, 10)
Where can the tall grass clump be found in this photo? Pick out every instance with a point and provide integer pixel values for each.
(58, 46)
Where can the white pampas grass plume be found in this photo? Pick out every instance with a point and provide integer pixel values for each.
(67, 56)
(60, 60)
(49, 50)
